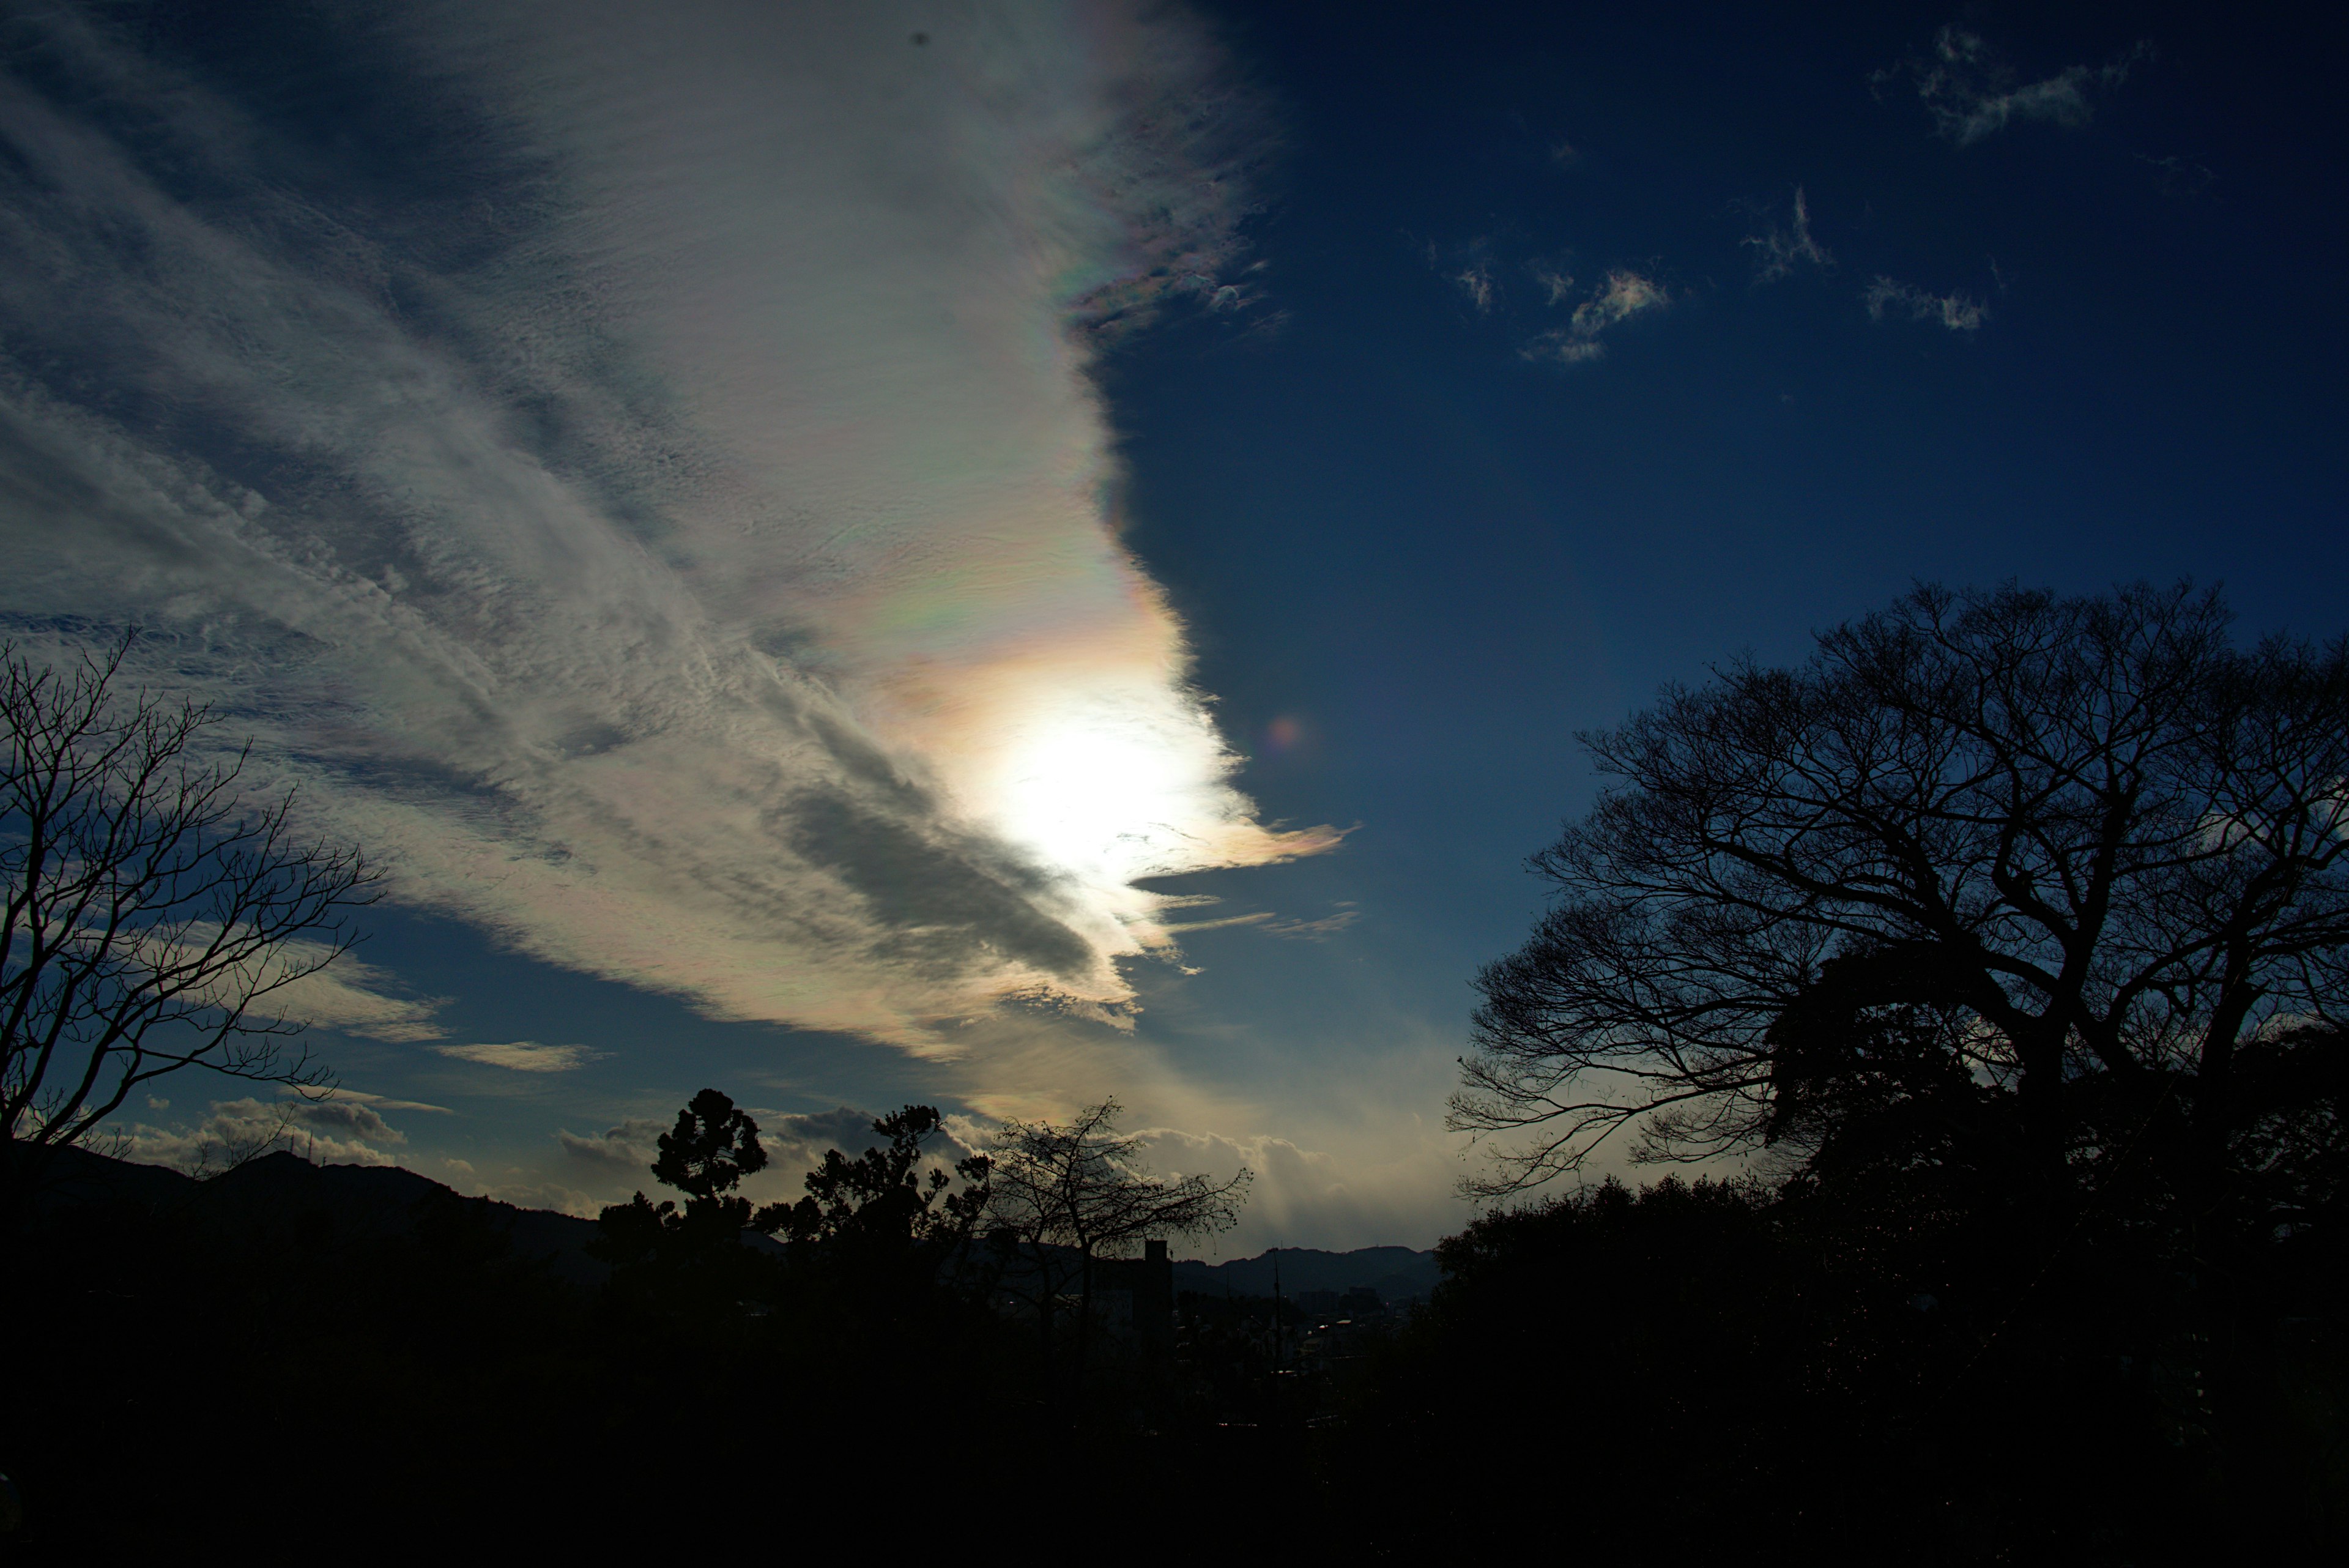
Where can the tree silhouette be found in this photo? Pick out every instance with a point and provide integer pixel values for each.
(2079, 861)
(881, 1216)
(706, 1156)
(1063, 1195)
(154, 915)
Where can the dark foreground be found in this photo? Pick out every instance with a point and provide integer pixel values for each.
(1697, 1374)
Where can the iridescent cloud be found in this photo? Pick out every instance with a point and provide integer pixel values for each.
(638, 467)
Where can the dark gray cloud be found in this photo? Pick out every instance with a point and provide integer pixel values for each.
(333, 1131)
(630, 1146)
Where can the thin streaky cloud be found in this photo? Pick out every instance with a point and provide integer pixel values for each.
(1971, 94)
(523, 1056)
(1957, 311)
(1781, 249)
(1256, 919)
(1315, 931)
(373, 1102)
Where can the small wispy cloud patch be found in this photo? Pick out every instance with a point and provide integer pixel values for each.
(1315, 931)
(1556, 283)
(1624, 295)
(1781, 248)
(1476, 283)
(631, 1145)
(524, 1055)
(1958, 312)
(1972, 94)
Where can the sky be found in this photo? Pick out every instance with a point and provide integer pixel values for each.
(996, 556)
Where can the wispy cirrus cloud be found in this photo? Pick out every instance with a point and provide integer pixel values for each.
(1623, 295)
(1330, 925)
(1556, 283)
(642, 478)
(1476, 283)
(1781, 248)
(523, 1056)
(1957, 311)
(354, 997)
(1971, 94)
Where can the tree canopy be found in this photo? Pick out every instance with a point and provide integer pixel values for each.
(2077, 860)
(1066, 1194)
(155, 913)
(705, 1156)
(891, 1211)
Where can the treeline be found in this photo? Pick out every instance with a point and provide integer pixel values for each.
(1856, 1368)
(2004, 943)
(908, 1331)
(1869, 1361)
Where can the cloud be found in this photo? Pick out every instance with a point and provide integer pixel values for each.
(1556, 284)
(1257, 918)
(632, 1145)
(1958, 312)
(1315, 931)
(1299, 1191)
(648, 487)
(1624, 294)
(1476, 282)
(1780, 250)
(334, 1131)
(524, 1055)
(356, 998)
(1971, 94)
(380, 1102)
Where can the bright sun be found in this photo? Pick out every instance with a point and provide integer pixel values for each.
(1100, 799)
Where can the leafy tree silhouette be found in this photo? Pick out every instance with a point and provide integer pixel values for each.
(881, 1214)
(706, 1156)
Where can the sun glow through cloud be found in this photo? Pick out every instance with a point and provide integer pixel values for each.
(662, 512)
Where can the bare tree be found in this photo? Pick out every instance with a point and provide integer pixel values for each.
(2088, 852)
(153, 912)
(1064, 1195)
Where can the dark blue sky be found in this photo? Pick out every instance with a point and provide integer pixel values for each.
(1445, 558)
(628, 450)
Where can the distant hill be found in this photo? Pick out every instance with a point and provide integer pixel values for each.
(1397, 1273)
(374, 1202)
(363, 1202)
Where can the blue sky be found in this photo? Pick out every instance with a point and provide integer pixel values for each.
(770, 527)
